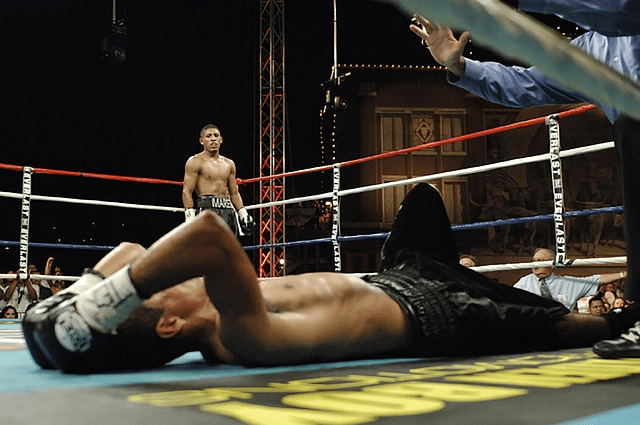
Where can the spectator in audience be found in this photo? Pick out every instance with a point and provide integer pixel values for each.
(565, 289)
(57, 286)
(596, 306)
(3, 288)
(608, 287)
(54, 285)
(620, 303)
(608, 292)
(468, 260)
(9, 312)
(20, 293)
(40, 285)
(620, 293)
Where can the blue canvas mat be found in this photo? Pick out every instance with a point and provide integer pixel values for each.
(568, 387)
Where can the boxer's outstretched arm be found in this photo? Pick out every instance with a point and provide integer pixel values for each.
(206, 247)
(203, 247)
(125, 253)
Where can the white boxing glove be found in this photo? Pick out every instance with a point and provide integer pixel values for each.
(189, 214)
(242, 214)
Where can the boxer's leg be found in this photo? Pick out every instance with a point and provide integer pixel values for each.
(581, 330)
(421, 223)
(627, 139)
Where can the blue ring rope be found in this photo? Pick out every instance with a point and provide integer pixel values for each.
(455, 227)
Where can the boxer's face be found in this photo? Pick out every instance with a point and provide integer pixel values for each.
(211, 140)
(181, 300)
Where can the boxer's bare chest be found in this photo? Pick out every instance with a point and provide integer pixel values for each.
(317, 290)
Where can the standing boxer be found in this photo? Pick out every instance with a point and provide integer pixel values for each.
(213, 178)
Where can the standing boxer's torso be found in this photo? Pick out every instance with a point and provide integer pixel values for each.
(213, 175)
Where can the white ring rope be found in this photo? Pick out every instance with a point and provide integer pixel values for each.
(575, 262)
(49, 277)
(475, 170)
(481, 269)
(518, 36)
(460, 172)
(91, 202)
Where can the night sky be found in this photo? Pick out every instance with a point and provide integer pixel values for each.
(189, 63)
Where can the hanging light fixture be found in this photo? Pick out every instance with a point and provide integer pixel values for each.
(114, 44)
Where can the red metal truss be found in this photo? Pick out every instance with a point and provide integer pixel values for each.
(272, 137)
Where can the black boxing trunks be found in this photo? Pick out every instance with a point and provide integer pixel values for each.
(455, 311)
(221, 206)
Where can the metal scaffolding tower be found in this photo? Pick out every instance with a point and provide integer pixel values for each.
(272, 137)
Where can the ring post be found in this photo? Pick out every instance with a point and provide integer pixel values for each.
(335, 228)
(25, 214)
(558, 192)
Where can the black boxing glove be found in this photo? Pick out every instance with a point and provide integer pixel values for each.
(89, 278)
(76, 333)
(247, 224)
(64, 338)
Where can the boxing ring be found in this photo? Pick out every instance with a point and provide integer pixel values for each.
(436, 390)
(565, 387)
(554, 158)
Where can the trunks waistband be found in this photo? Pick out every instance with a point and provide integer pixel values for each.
(424, 301)
(210, 201)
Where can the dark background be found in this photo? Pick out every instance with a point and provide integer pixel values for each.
(189, 63)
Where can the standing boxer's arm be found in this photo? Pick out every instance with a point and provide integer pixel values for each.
(232, 187)
(191, 171)
(246, 221)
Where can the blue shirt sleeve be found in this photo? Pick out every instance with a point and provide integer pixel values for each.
(611, 17)
(512, 86)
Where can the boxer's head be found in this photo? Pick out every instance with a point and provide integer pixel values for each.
(167, 325)
(211, 138)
